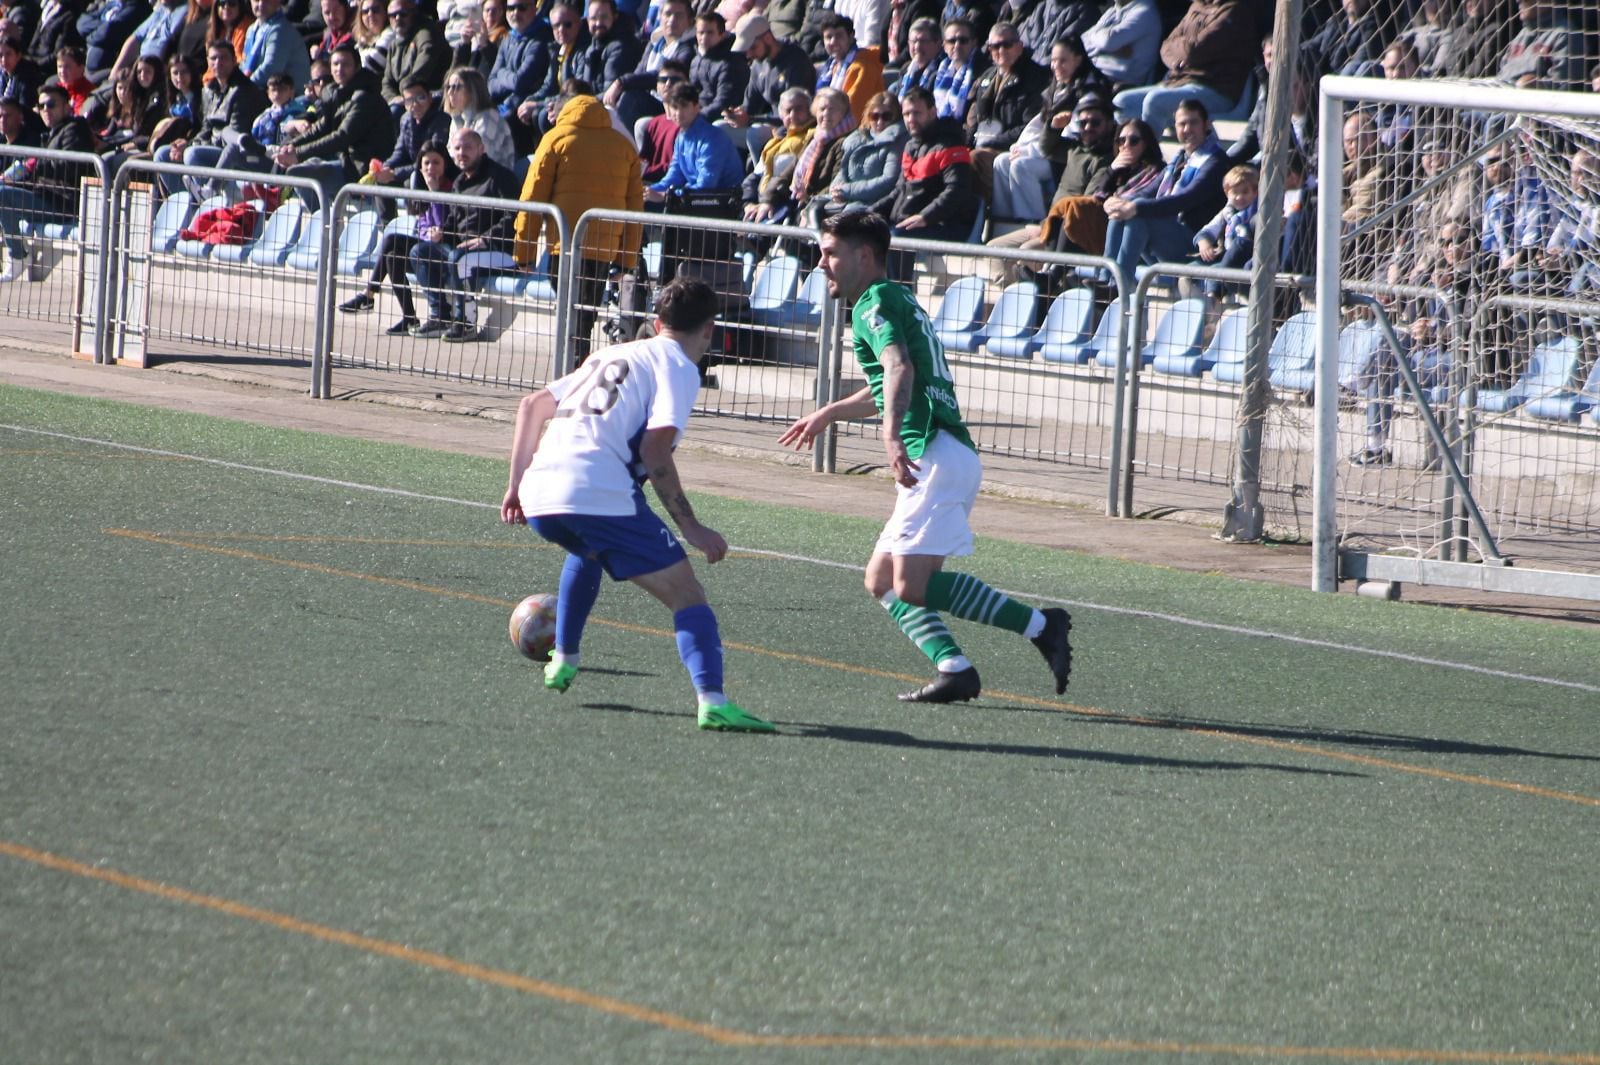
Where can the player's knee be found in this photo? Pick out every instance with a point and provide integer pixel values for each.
(878, 585)
(913, 592)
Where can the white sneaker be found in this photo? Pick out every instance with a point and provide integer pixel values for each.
(14, 271)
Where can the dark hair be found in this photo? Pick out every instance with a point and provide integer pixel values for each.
(280, 80)
(860, 228)
(416, 81)
(222, 44)
(571, 87)
(686, 304)
(612, 4)
(1195, 106)
(715, 18)
(1073, 44)
(918, 93)
(677, 66)
(77, 54)
(435, 146)
(345, 46)
(682, 93)
(837, 22)
(1150, 144)
(61, 94)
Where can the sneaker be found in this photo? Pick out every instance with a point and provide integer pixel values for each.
(356, 304)
(946, 688)
(13, 271)
(558, 676)
(402, 328)
(1054, 645)
(729, 718)
(461, 333)
(1372, 456)
(433, 327)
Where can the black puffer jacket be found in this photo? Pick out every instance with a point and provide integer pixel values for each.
(721, 75)
(1002, 105)
(936, 179)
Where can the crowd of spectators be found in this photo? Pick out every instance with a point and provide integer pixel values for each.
(1037, 123)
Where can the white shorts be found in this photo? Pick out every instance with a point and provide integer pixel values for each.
(931, 519)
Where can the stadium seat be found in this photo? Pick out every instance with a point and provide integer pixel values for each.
(1552, 369)
(1105, 338)
(957, 318)
(199, 249)
(358, 243)
(1068, 321)
(307, 251)
(1292, 359)
(1225, 355)
(1360, 344)
(650, 256)
(1178, 335)
(1246, 103)
(1566, 405)
(60, 230)
(813, 294)
(519, 169)
(772, 290)
(1012, 316)
(237, 253)
(171, 217)
(534, 283)
(278, 236)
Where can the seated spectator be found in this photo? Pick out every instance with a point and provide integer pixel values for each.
(654, 136)
(1208, 56)
(19, 126)
(520, 67)
(1078, 223)
(479, 47)
(338, 19)
(1395, 121)
(1548, 51)
(824, 155)
(570, 38)
(283, 105)
(1478, 36)
(766, 188)
(869, 161)
(934, 198)
(583, 164)
(1159, 226)
(194, 33)
(183, 103)
(921, 70)
(1040, 23)
(105, 27)
(870, 19)
(448, 257)
(721, 74)
(703, 158)
(1229, 239)
(372, 33)
(1085, 158)
(959, 70)
(1125, 44)
(1517, 215)
(1429, 35)
(125, 125)
(435, 169)
(272, 45)
(633, 95)
(855, 71)
(979, 15)
(424, 121)
(613, 49)
(1416, 248)
(418, 50)
(231, 21)
(155, 36)
(72, 76)
(57, 29)
(775, 68)
(1370, 183)
(1569, 255)
(43, 190)
(353, 127)
(18, 77)
(1348, 43)
(466, 101)
(1302, 116)
(230, 104)
(1004, 101)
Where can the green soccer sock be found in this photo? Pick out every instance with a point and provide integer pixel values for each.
(969, 599)
(925, 629)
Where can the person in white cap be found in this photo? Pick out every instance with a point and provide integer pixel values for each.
(775, 68)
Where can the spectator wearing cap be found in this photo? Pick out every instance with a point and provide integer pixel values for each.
(42, 189)
(963, 62)
(1208, 55)
(1085, 157)
(721, 74)
(775, 68)
(633, 95)
(1125, 44)
(523, 59)
(273, 46)
(855, 70)
(1004, 100)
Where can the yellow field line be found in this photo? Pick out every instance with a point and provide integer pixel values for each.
(1296, 747)
(734, 1037)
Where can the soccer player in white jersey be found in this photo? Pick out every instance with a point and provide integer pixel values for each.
(935, 466)
(612, 424)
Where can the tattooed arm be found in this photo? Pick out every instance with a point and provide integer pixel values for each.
(656, 452)
(899, 377)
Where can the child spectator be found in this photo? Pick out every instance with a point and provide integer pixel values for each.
(1229, 239)
(282, 105)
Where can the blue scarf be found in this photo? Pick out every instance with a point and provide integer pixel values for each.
(951, 87)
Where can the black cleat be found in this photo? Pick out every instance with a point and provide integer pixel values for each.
(1053, 644)
(947, 688)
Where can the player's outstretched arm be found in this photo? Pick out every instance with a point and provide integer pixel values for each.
(802, 433)
(533, 412)
(655, 450)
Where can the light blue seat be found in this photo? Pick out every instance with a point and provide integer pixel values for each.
(1360, 345)
(813, 294)
(307, 251)
(772, 290)
(199, 249)
(520, 168)
(358, 243)
(238, 253)
(1013, 315)
(171, 217)
(956, 321)
(534, 283)
(59, 230)
(1292, 359)
(278, 235)
(1566, 405)
(650, 255)
(1068, 321)
(1225, 355)
(1552, 369)
(1179, 339)
(1105, 338)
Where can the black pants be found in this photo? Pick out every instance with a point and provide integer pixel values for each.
(393, 258)
(586, 296)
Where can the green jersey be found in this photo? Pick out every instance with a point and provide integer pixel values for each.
(886, 314)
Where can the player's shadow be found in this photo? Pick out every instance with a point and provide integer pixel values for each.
(904, 740)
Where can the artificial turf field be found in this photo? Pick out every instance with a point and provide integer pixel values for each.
(274, 787)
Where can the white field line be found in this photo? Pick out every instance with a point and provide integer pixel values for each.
(1173, 619)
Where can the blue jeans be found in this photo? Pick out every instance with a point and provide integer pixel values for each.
(17, 203)
(435, 267)
(1149, 240)
(1156, 104)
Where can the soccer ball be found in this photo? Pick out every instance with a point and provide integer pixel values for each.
(533, 626)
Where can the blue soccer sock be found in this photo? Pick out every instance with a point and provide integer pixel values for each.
(700, 647)
(580, 587)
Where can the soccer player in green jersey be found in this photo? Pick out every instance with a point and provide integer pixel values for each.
(934, 463)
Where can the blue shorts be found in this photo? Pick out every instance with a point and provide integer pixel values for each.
(626, 547)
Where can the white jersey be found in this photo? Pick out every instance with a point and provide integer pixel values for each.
(588, 461)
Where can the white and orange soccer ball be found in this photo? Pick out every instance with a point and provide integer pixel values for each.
(533, 626)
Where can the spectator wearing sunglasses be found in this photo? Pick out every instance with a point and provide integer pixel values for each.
(419, 50)
(923, 52)
(373, 34)
(523, 60)
(959, 70)
(43, 190)
(633, 96)
(1004, 100)
(570, 37)
(655, 136)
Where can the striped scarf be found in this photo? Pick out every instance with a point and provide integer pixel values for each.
(808, 158)
(951, 87)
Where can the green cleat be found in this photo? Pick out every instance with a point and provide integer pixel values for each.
(729, 718)
(558, 676)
